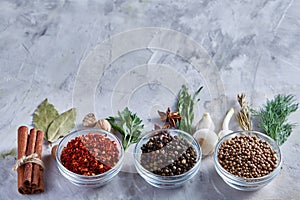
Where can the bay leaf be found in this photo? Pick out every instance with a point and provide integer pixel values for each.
(62, 125)
(44, 115)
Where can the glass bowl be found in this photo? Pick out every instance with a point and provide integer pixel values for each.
(167, 182)
(247, 184)
(95, 180)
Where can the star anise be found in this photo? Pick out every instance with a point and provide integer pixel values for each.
(170, 117)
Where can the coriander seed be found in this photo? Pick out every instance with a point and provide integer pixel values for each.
(247, 157)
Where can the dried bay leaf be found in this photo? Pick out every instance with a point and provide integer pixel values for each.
(47, 119)
(44, 115)
(62, 125)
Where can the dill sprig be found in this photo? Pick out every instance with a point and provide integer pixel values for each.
(273, 117)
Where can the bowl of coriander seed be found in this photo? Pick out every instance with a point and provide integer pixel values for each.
(247, 160)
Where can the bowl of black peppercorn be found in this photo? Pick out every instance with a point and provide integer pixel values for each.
(247, 160)
(167, 158)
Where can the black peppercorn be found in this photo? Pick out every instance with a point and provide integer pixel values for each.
(166, 155)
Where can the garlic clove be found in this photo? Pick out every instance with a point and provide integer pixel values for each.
(89, 120)
(225, 126)
(205, 122)
(103, 124)
(222, 133)
(229, 114)
(207, 140)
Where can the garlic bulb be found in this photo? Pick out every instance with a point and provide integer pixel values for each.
(207, 140)
(206, 122)
(104, 125)
(89, 120)
(225, 126)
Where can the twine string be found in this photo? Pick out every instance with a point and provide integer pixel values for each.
(33, 158)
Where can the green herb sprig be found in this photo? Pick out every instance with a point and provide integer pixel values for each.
(186, 104)
(272, 118)
(129, 125)
(12, 152)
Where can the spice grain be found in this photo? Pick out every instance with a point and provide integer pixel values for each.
(247, 156)
(168, 155)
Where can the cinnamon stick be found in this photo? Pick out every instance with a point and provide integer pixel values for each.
(30, 150)
(22, 145)
(40, 187)
(37, 179)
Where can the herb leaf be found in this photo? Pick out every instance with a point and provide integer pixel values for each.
(186, 104)
(62, 125)
(44, 115)
(273, 117)
(12, 152)
(129, 125)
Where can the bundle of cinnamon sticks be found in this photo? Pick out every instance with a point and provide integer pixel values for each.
(30, 175)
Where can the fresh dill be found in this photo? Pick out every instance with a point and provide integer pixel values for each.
(272, 117)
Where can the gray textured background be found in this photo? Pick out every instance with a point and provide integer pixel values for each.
(253, 45)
